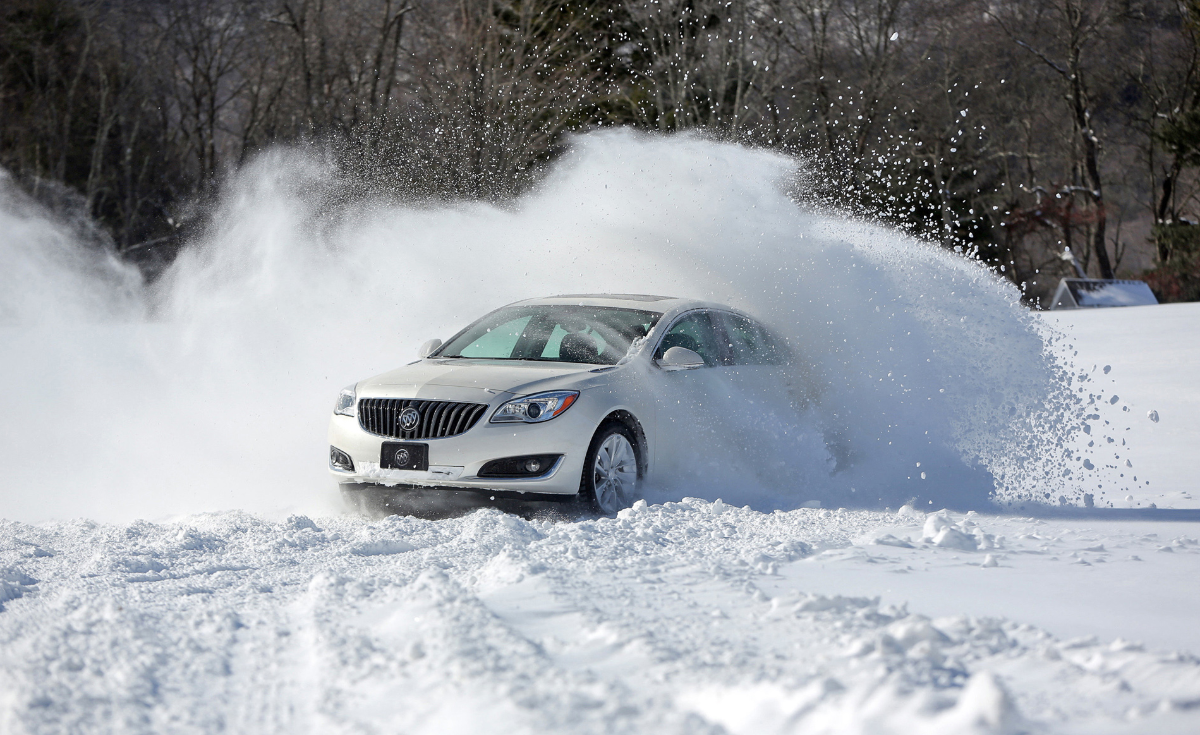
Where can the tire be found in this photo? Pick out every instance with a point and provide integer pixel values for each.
(611, 470)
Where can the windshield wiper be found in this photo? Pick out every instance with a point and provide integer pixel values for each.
(533, 359)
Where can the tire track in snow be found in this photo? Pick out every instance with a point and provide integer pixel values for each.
(684, 617)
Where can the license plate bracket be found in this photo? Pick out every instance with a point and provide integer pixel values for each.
(404, 456)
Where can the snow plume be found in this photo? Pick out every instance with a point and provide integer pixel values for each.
(919, 373)
(57, 271)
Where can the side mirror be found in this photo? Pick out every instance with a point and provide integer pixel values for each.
(429, 347)
(680, 358)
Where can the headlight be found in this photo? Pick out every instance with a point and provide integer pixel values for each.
(345, 402)
(536, 408)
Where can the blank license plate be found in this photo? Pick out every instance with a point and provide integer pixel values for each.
(404, 456)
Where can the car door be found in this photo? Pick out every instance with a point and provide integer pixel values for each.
(752, 373)
(771, 399)
(686, 399)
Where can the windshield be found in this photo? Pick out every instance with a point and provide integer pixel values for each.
(598, 335)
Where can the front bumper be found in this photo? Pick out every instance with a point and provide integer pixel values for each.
(454, 462)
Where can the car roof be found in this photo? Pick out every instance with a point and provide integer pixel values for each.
(644, 302)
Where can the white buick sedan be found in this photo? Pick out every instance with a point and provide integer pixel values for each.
(577, 396)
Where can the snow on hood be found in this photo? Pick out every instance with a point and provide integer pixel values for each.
(518, 377)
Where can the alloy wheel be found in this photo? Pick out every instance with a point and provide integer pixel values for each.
(614, 474)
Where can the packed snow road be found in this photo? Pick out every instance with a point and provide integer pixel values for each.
(683, 617)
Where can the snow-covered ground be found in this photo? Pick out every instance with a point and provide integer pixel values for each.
(1154, 353)
(692, 616)
(684, 617)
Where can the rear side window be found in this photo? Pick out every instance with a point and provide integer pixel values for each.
(749, 343)
(694, 332)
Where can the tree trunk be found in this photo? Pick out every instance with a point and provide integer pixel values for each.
(1091, 161)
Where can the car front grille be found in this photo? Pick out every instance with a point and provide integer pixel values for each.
(439, 419)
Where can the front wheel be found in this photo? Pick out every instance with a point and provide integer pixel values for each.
(610, 473)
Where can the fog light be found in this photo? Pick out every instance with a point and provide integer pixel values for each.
(339, 460)
(529, 465)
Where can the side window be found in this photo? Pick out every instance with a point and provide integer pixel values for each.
(695, 332)
(749, 343)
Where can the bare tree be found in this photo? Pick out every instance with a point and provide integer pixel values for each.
(1166, 67)
(498, 82)
(204, 58)
(701, 63)
(347, 55)
(1062, 34)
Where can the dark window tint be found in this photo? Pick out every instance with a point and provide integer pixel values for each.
(694, 332)
(749, 343)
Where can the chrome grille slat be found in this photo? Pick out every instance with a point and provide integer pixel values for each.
(433, 413)
(452, 418)
(427, 419)
(449, 420)
(475, 416)
(439, 419)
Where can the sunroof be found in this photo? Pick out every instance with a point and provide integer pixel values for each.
(613, 296)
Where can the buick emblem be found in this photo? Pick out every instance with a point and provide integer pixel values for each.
(409, 418)
(402, 456)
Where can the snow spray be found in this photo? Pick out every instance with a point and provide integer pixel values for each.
(919, 375)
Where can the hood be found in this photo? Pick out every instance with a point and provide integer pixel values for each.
(423, 379)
